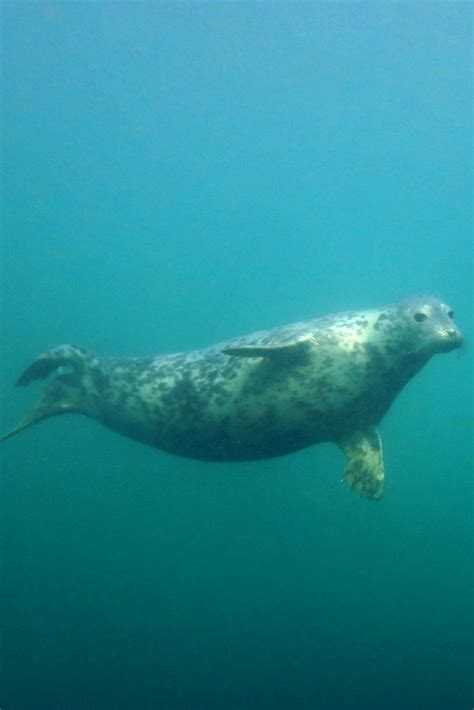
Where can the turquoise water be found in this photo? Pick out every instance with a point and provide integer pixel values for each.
(175, 175)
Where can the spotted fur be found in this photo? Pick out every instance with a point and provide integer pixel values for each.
(259, 396)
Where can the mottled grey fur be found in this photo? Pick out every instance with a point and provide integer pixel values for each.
(259, 396)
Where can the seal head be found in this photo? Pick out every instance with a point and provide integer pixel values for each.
(432, 324)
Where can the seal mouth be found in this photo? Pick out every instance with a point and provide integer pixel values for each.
(450, 340)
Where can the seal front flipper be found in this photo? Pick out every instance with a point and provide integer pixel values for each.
(365, 469)
(63, 395)
(293, 353)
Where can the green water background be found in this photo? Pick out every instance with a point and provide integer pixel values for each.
(174, 175)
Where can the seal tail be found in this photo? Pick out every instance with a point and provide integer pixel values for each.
(63, 395)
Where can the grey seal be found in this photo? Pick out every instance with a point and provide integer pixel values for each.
(259, 396)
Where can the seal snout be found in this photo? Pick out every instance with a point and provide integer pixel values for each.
(451, 338)
(454, 335)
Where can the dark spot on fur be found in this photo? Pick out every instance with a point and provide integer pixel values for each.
(101, 380)
(80, 349)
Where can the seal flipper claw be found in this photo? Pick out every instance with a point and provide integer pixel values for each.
(365, 469)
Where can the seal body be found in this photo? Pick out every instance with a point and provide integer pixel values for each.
(259, 396)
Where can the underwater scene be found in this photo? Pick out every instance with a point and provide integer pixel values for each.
(237, 374)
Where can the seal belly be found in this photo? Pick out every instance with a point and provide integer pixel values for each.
(214, 407)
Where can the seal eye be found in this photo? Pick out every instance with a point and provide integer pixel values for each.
(450, 314)
(418, 317)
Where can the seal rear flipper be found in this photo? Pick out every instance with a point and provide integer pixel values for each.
(63, 395)
(293, 353)
(56, 400)
(365, 468)
(47, 362)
